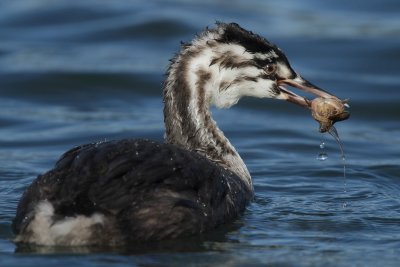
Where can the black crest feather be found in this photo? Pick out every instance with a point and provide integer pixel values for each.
(252, 42)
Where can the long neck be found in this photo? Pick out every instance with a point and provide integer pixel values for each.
(188, 93)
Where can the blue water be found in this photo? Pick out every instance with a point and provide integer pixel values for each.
(74, 72)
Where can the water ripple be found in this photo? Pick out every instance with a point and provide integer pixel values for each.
(74, 72)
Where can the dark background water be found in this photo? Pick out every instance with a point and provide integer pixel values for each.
(73, 72)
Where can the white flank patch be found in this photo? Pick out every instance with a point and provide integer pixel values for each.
(67, 231)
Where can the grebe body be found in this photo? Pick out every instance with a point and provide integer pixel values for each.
(116, 192)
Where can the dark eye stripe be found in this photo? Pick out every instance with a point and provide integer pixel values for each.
(262, 62)
(251, 79)
(231, 62)
(266, 76)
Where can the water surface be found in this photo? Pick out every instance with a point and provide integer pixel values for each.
(74, 72)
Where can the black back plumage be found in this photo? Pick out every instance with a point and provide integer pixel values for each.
(147, 190)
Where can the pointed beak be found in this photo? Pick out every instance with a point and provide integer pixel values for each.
(303, 85)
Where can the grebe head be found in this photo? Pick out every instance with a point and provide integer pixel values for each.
(218, 67)
(229, 62)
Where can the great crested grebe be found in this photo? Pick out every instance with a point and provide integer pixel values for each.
(115, 192)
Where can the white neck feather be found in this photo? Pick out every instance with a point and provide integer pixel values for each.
(192, 85)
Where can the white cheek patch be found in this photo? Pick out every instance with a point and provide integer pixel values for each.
(283, 71)
(262, 88)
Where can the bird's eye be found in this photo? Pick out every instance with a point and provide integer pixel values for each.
(270, 68)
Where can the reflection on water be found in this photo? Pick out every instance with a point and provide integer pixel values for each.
(74, 72)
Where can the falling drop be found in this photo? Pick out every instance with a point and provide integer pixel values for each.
(322, 156)
(322, 145)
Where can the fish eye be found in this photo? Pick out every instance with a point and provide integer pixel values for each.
(270, 68)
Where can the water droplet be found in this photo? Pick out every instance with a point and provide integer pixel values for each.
(322, 145)
(322, 156)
